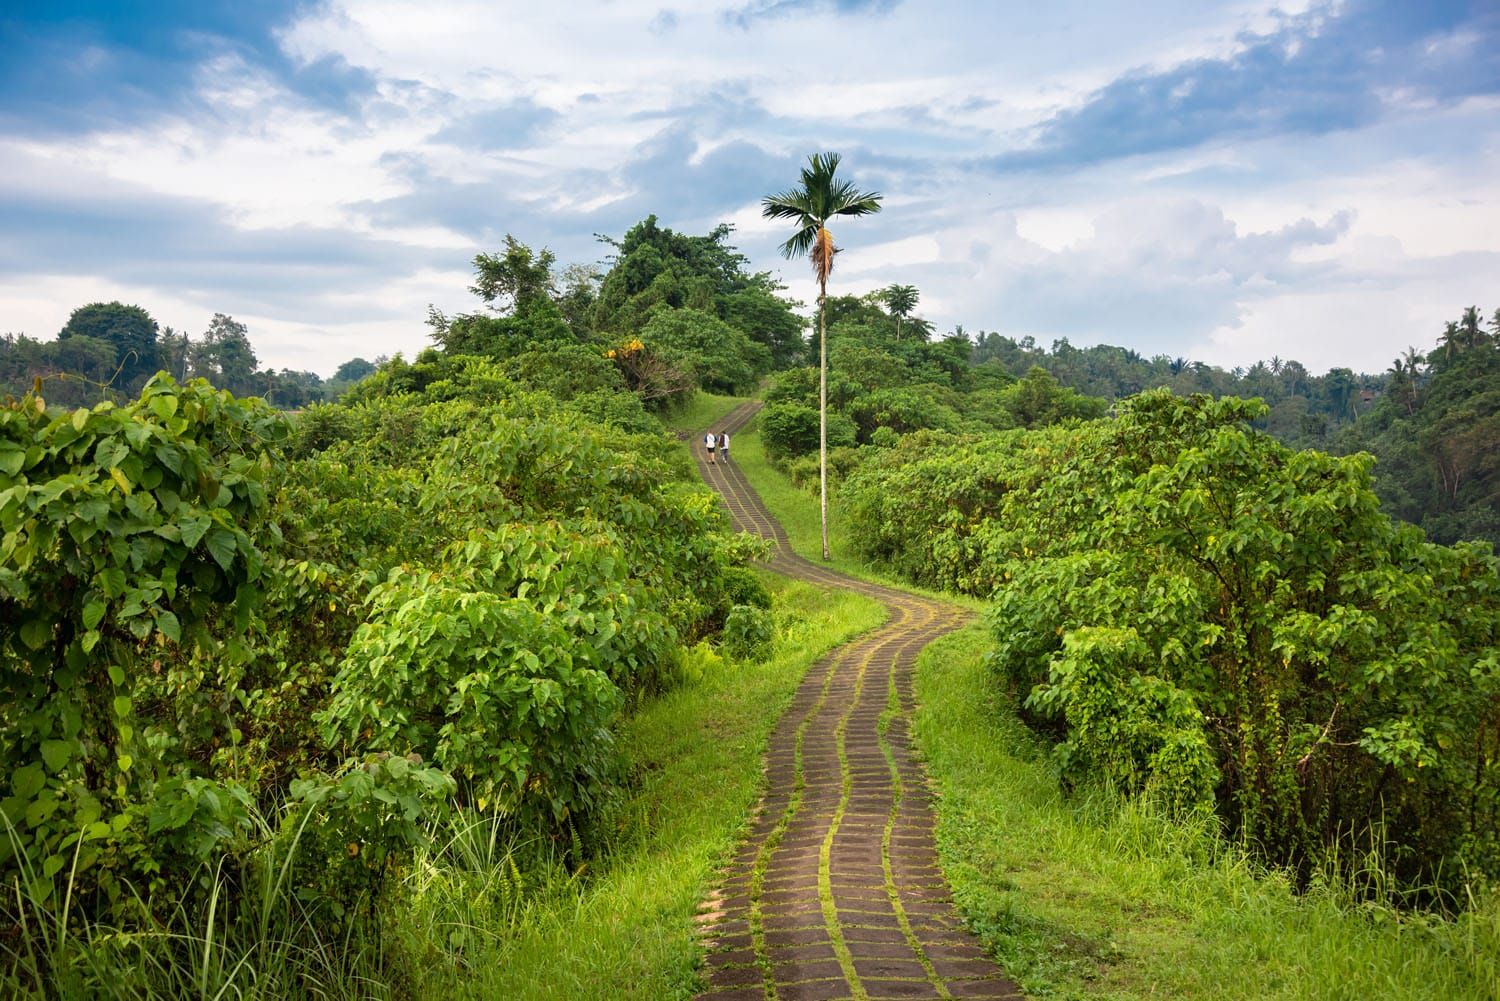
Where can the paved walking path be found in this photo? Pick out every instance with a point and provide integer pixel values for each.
(836, 892)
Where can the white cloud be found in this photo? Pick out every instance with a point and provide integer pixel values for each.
(1218, 249)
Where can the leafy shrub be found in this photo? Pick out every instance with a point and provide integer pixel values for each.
(902, 409)
(842, 462)
(127, 530)
(350, 830)
(748, 633)
(720, 357)
(743, 586)
(791, 429)
(505, 667)
(1195, 609)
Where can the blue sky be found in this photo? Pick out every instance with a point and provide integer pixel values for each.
(1222, 181)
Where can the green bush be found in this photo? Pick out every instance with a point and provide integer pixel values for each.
(128, 554)
(1193, 608)
(743, 586)
(749, 632)
(346, 833)
(789, 430)
(721, 358)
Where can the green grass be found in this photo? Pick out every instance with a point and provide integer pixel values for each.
(797, 510)
(1088, 897)
(700, 412)
(628, 930)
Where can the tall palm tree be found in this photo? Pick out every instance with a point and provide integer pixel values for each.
(900, 300)
(819, 199)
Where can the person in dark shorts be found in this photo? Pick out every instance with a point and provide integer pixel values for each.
(708, 443)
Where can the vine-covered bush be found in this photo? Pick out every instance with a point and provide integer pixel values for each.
(214, 611)
(505, 666)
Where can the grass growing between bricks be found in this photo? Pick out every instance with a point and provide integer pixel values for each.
(1083, 897)
(628, 930)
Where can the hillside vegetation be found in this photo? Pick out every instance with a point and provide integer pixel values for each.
(409, 691)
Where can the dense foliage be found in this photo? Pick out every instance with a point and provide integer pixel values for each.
(1198, 611)
(242, 638)
(1436, 434)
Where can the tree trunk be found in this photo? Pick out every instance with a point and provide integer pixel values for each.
(823, 409)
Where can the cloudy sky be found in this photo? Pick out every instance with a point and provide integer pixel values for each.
(1221, 180)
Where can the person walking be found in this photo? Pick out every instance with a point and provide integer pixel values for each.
(724, 445)
(708, 443)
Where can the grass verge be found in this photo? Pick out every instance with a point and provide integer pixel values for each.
(797, 510)
(628, 930)
(700, 412)
(1085, 897)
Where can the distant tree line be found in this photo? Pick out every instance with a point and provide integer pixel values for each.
(109, 350)
(1432, 420)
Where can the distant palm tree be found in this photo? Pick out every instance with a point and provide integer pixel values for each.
(900, 300)
(1473, 334)
(819, 199)
(1452, 340)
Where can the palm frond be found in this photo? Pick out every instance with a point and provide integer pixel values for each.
(800, 243)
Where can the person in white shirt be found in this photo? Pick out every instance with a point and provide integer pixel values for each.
(708, 443)
(724, 445)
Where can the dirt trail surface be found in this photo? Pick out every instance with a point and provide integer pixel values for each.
(836, 892)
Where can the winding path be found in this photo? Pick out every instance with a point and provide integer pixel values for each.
(836, 891)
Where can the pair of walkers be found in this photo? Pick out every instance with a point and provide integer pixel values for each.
(719, 441)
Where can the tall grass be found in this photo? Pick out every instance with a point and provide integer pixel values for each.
(236, 929)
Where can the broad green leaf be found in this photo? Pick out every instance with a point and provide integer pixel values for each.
(27, 781)
(112, 581)
(93, 612)
(36, 633)
(221, 546)
(193, 528)
(55, 753)
(164, 406)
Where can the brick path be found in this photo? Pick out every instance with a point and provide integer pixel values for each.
(836, 892)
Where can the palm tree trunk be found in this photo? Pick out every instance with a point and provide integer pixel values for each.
(823, 409)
